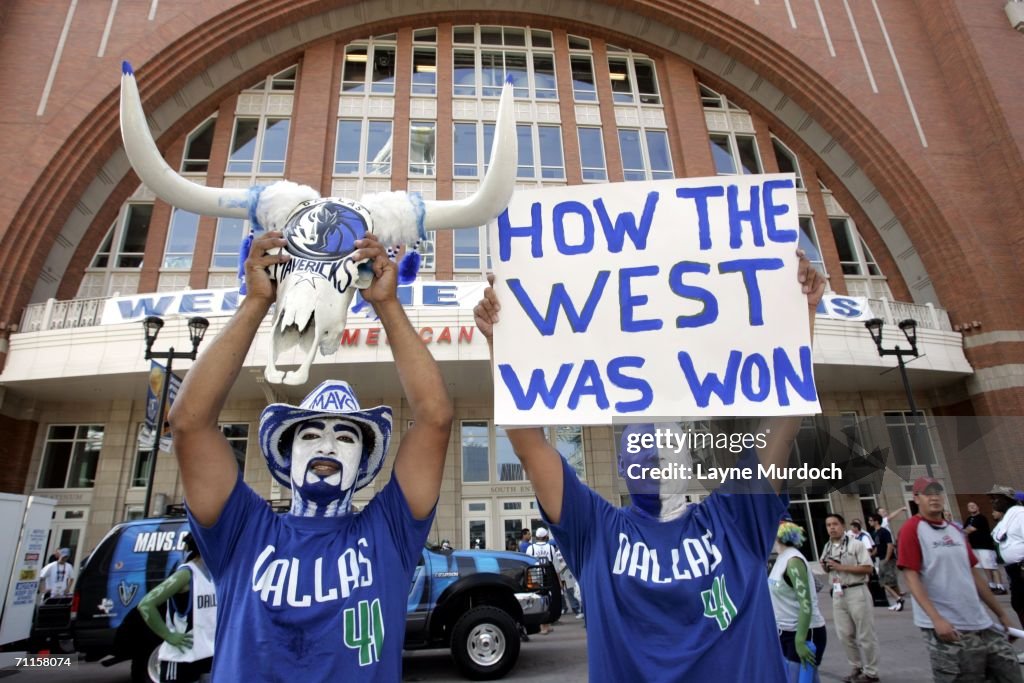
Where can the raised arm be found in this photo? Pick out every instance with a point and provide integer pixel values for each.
(780, 431)
(541, 462)
(419, 464)
(207, 463)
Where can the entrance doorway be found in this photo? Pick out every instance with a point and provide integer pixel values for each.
(68, 531)
(517, 515)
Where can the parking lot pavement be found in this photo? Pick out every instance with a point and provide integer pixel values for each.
(562, 656)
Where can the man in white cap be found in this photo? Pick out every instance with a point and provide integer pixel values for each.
(545, 554)
(318, 594)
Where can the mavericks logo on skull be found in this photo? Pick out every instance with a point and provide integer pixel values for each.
(326, 229)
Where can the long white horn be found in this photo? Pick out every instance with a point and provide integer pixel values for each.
(154, 172)
(499, 182)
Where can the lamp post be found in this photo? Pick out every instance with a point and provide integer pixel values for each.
(909, 328)
(152, 325)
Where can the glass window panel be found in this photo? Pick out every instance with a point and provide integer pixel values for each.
(383, 70)
(722, 154)
(844, 245)
(425, 35)
(477, 533)
(488, 143)
(786, 161)
(551, 160)
(463, 34)
(181, 239)
(464, 76)
(749, 160)
(102, 257)
(515, 67)
(346, 156)
(140, 474)
(490, 35)
(578, 43)
(378, 148)
(632, 155)
(515, 37)
(544, 77)
(424, 71)
(466, 248)
(569, 442)
(869, 259)
(809, 243)
(237, 436)
(243, 146)
(524, 136)
(54, 470)
(133, 241)
(227, 242)
(509, 467)
(197, 149)
(353, 79)
(492, 73)
(541, 38)
(658, 154)
(62, 432)
(475, 452)
(583, 88)
(622, 89)
(275, 146)
(592, 154)
(285, 80)
(646, 82)
(421, 148)
(82, 473)
(465, 149)
(477, 507)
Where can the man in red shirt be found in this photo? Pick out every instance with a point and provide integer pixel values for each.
(938, 565)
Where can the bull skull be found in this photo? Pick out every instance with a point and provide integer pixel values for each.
(316, 286)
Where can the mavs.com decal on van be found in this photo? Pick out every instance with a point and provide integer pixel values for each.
(143, 556)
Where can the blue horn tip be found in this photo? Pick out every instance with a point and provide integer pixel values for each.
(126, 68)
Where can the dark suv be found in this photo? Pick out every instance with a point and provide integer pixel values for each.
(477, 602)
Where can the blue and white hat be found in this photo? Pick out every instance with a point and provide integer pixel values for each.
(333, 399)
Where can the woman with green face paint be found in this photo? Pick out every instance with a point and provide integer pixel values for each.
(795, 602)
(187, 651)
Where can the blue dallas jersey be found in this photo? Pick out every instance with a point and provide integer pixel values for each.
(685, 600)
(311, 599)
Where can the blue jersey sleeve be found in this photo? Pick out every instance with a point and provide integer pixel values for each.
(582, 509)
(218, 541)
(408, 533)
(751, 507)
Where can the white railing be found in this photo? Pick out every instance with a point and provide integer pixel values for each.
(927, 316)
(61, 315)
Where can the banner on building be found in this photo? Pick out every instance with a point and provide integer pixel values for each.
(664, 298)
(211, 303)
(157, 376)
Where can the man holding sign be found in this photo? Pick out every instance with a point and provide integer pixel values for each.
(689, 579)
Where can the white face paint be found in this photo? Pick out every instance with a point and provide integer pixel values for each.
(327, 452)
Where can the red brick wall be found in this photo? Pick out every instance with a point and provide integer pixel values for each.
(15, 452)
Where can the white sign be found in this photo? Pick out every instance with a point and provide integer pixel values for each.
(668, 298)
(31, 531)
(223, 302)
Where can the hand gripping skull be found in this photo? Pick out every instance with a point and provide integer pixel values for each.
(316, 286)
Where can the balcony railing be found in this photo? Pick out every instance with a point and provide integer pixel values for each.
(62, 315)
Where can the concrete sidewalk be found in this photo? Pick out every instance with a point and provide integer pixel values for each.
(903, 656)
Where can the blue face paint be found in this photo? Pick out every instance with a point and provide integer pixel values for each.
(656, 467)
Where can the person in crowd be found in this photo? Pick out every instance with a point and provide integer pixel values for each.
(544, 552)
(887, 516)
(849, 567)
(795, 603)
(525, 538)
(1008, 535)
(57, 578)
(979, 536)
(950, 597)
(321, 591)
(188, 629)
(857, 531)
(884, 552)
(672, 580)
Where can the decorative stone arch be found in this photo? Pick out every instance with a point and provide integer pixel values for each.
(71, 194)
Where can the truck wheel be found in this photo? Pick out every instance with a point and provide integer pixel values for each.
(485, 643)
